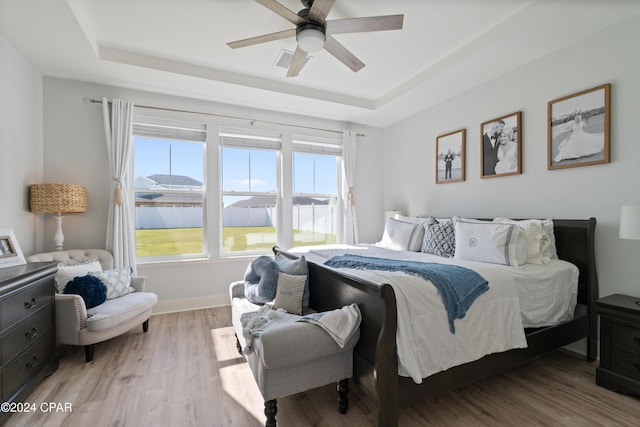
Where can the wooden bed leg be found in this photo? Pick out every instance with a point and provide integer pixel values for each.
(343, 391)
(270, 410)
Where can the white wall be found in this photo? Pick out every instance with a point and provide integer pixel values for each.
(20, 143)
(610, 56)
(75, 152)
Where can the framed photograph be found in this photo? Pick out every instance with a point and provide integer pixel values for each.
(501, 146)
(10, 252)
(578, 131)
(450, 157)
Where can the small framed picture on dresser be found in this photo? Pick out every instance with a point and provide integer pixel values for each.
(10, 252)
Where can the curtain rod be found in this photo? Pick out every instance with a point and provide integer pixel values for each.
(252, 121)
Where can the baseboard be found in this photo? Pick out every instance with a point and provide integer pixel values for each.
(173, 306)
(580, 347)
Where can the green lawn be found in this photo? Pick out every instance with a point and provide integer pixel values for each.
(175, 241)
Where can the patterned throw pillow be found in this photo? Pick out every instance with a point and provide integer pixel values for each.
(117, 281)
(289, 293)
(439, 237)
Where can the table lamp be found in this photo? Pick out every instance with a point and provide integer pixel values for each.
(630, 222)
(57, 199)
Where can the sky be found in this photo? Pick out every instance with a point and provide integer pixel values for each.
(244, 170)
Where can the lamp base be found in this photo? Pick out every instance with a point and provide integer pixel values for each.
(59, 236)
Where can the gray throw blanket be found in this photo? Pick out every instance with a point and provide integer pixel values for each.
(457, 286)
(341, 324)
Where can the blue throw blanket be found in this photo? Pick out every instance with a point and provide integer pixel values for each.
(457, 286)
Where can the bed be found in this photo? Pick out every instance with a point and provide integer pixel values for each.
(376, 367)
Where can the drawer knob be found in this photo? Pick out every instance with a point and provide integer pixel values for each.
(30, 304)
(32, 333)
(32, 363)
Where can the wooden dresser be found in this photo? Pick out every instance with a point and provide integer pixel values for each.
(28, 333)
(619, 368)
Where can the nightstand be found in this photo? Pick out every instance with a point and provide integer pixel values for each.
(619, 368)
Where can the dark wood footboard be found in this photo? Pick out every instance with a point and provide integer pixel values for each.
(375, 356)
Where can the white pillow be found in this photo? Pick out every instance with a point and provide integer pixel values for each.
(536, 238)
(66, 273)
(488, 241)
(417, 243)
(411, 219)
(402, 236)
(550, 251)
(540, 230)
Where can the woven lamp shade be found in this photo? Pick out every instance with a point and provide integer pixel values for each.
(57, 198)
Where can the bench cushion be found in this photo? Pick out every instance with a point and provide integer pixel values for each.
(113, 312)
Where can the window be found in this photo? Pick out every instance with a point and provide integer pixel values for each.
(169, 189)
(316, 163)
(250, 190)
(265, 188)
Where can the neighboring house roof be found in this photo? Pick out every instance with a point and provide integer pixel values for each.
(182, 180)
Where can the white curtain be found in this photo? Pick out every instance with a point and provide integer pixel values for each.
(118, 122)
(349, 162)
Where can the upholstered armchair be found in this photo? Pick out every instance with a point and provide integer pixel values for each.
(77, 325)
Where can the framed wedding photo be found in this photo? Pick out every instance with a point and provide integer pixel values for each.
(579, 127)
(501, 146)
(450, 157)
(10, 252)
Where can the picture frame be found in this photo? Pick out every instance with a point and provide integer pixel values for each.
(578, 131)
(451, 157)
(10, 252)
(501, 146)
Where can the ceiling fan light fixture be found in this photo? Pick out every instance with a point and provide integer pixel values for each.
(310, 37)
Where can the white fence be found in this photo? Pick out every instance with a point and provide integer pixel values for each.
(312, 218)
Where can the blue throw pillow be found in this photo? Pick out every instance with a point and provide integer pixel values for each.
(261, 280)
(90, 288)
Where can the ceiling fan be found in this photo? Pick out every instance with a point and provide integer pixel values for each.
(313, 32)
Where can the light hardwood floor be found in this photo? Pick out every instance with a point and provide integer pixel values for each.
(186, 372)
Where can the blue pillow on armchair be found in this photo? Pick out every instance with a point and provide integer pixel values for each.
(261, 280)
(90, 288)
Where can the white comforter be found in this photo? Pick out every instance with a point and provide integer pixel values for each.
(425, 345)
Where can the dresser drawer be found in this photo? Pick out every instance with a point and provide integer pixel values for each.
(26, 365)
(26, 332)
(24, 303)
(626, 363)
(625, 338)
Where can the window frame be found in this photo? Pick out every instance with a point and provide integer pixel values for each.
(274, 145)
(328, 146)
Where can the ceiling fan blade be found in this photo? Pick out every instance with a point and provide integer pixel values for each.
(342, 54)
(360, 25)
(320, 9)
(297, 62)
(281, 10)
(262, 39)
